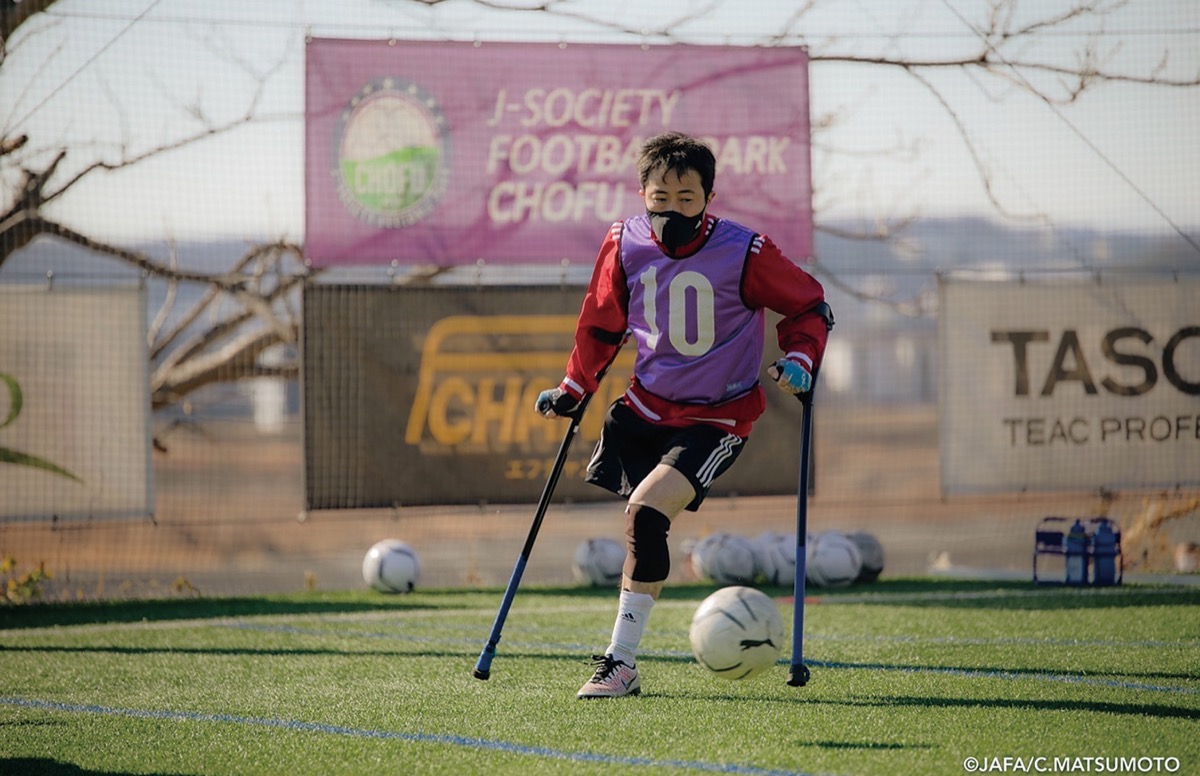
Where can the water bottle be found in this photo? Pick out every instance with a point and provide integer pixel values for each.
(1077, 555)
(1104, 550)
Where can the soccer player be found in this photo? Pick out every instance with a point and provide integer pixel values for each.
(691, 289)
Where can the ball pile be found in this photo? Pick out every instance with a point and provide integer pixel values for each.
(598, 562)
(725, 558)
(831, 558)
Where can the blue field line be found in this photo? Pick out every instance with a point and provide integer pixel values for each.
(1017, 641)
(556, 646)
(421, 738)
(982, 673)
(560, 647)
(895, 597)
(902, 639)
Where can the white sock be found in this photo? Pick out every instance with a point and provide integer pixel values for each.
(632, 614)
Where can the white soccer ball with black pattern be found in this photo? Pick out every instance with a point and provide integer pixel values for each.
(764, 559)
(775, 557)
(872, 555)
(724, 558)
(598, 562)
(835, 560)
(391, 566)
(737, 632)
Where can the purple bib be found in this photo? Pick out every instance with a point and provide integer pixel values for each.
(697, 341)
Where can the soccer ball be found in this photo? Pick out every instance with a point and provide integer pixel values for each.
(835, 560)
(775, 557)
(598, 562)
(391, 566)
(724, 558)
(872, 555)
(737, 632)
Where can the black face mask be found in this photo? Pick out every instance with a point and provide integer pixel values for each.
(674, 230)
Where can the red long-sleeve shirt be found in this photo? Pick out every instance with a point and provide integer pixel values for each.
(770, 280)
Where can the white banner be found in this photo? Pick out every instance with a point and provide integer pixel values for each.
(1069, 385)
(74, 403)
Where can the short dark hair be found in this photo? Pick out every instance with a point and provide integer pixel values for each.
(676, 152)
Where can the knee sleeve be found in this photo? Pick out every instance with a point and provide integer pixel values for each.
(647, 558)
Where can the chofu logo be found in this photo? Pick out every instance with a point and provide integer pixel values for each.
(479, 378)
(392, 154)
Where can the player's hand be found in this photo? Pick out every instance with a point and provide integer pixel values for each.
(556, 403)
(791, 375)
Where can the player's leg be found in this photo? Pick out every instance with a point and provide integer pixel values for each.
(657, 499)
(628, 453)
(691, 460)
(662, 495)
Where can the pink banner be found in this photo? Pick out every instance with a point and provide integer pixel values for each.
(446, 153)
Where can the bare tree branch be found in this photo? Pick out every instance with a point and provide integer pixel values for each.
(138, 259)
(188, 355)
(160, 318)
(985, 174)
(881, 231)
(1087, 70)
(916, 307)
(13, 16)
(234, 341)
(10, 145)
(275, 253)
(253, 306)
(239, 356)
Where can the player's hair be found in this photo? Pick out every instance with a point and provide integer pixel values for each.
(676, 152)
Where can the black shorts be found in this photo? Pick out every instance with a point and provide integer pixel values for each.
(630, 448)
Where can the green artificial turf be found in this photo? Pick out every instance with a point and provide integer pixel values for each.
(908, 677)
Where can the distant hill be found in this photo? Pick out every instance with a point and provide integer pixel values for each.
(883, 292)
(973, 243)
(926, 245)
(901, 270)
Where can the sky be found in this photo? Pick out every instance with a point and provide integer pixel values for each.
(116, 77)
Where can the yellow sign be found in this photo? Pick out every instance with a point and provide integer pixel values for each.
(480, 376)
